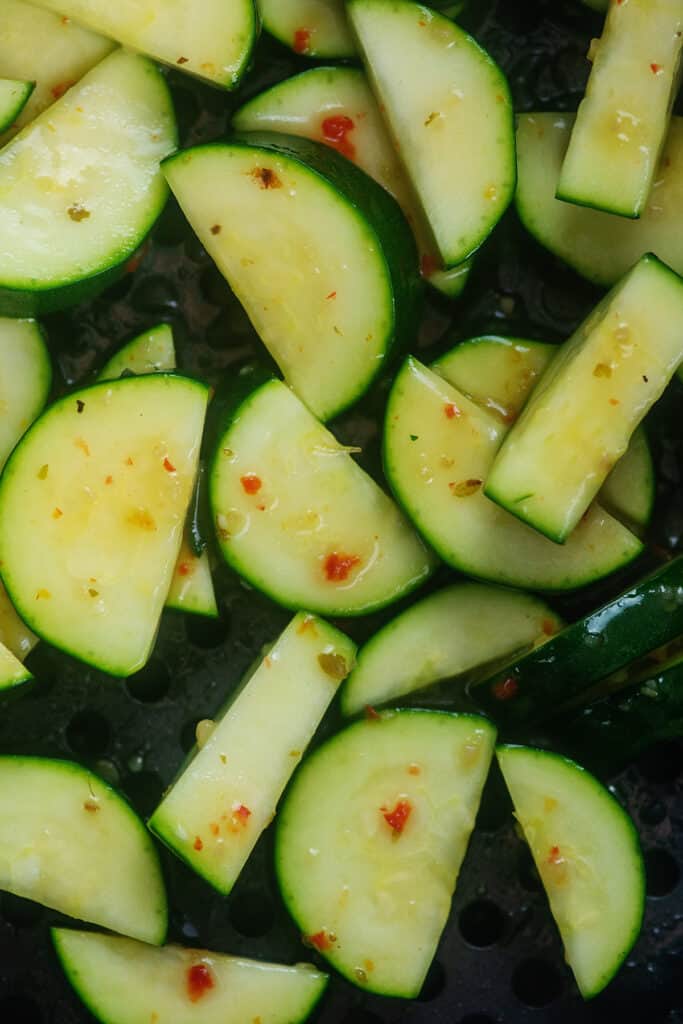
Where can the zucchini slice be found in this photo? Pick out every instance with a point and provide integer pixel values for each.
(587, 852)
(181, 986)
(336, 106)
(72, 843)
(579, 422)
(646, 616)
(14, 96)
(227, 795)
(12, 672)
(453, 633)
(14, 634)
(597, 245)
(213, 40)
(80, 187)
(371, 837)
(319, 255)
(449, 108)
(152, 351)
(25, 380)
(623, 120)
(192, 589)
(500, 373)
(312, 28)
(99, 488)
(438, 449)
(46, 49)
(298, 517)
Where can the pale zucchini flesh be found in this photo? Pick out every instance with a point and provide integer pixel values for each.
(12, 672)
(438, 450)
(14, 96)
(227, 795)
(500, 374)
(312, 28)
(300, 520)
(623, 120)
(598, 245)
(336, 106)
(371, 838)
(192, 589)
(213, 40)
(449, 634)
(47, 49)
(588, 855)
(100, 487)
(126, 982)
(68, 841)
(80, 186)
(319, 256)
(152, 351)
(448, 107)
(25, 380)
(581, 417)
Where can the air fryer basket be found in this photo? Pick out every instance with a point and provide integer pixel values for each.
(500, 958)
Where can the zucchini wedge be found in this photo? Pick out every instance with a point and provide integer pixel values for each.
(213, 40)
(580, 420)
(438, 450)
(192, 589)
(14, 633)
(72, 843)
(298, 517)
(99, 487)
(80, 187)
(221, 802)
(456, 632)
(500, 374)
(12, 672)
(25, 379)
(588, 855)
(152, 351)
(384, 803)
(311, 28)
(319, 255)
(44, 48)
(623, 120)
(336, 106)
(126, 982)
(14, 95)
(645, 617)
(599, 246)
(448, 106)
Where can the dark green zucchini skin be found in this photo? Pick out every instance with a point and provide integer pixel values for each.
(643, 618)
(614, 731)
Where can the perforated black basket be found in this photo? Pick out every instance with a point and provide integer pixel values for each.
(500, 958)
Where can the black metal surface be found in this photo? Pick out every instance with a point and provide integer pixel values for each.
(500, 958)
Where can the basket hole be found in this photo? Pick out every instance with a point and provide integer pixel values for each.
(20, 1010)
(434, 983)
(482, 923)
(88, 734)
(20, 912)
(536, 983)
(477, 1018)
(151, 683)
(144, 790)
(251, 914)
(662, 873)
(206, 633)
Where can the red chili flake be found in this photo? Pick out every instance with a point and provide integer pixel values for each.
(548, 627)
(216, 229)
(451, 411)
(506, 689)
(182, 60)
(59, 89)
(198, 844)
(371, 714)
(135, 260)
(302, 40)
(335, 133)
(656, 69)
(200, 980)
(260, 508)
(554, 857)
(332, 295)
(414, 769)
(614, 401)
(338, 566)
(92, 806)
(168, 465)
(428, 264)
(321, 941)
(251, 484)
(397, 819)
(214, 828)
(266, 177)
(109, 480)
(242, 812)
(129, 461)
(183, 569)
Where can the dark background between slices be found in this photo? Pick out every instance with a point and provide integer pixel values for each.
(500, 959)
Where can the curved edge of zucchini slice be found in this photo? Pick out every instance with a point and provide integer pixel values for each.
(14, 95)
